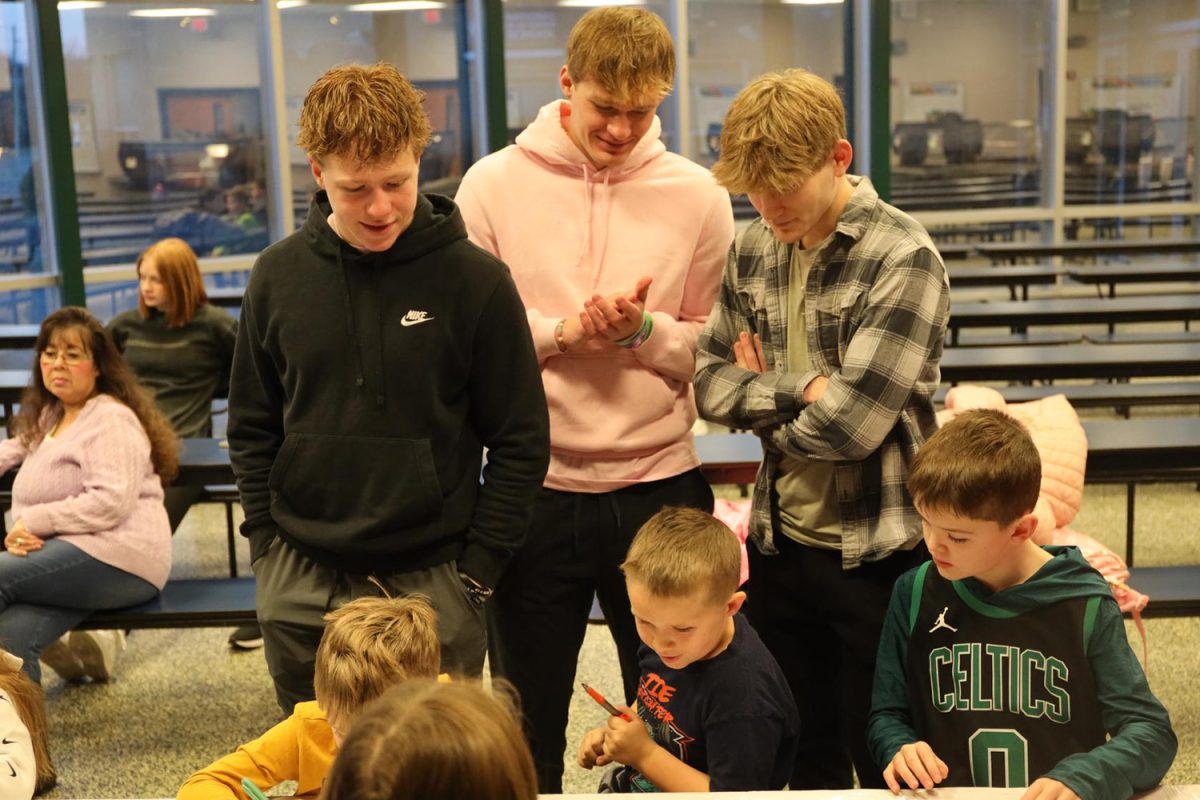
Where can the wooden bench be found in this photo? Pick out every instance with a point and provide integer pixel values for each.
(1013, 251)
(1008, 277)
(1143, 337)
(1040, 338)
(186, 603)
(1173, 591)
(1020, 314)
(1138, 272)
(1068, 361)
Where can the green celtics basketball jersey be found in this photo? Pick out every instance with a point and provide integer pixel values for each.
(1000, 695)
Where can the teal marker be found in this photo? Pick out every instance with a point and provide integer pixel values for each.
(252, 791)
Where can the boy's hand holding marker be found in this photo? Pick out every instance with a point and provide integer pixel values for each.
(627, 740)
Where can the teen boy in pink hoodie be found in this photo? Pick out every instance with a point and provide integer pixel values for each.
(617, 249)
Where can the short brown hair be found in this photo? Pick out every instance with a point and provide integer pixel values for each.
(681, 550)
(778, 131)
(981, 465)
(627, 51)
(370, 644)
(30, 704)
(180, 274)
(435, 741)
(368, 114)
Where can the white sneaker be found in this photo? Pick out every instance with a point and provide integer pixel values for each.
(62, 659)
(98, 651)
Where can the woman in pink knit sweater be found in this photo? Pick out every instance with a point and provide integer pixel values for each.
(90, 531)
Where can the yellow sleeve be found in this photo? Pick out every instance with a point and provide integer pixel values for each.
(270, 759)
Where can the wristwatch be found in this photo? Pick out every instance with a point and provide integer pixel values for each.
(477, 593)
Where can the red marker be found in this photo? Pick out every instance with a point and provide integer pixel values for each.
(607, 706)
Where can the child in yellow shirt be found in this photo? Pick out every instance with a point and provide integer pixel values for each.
(368, 646)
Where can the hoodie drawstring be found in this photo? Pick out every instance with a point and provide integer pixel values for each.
(351, 328)
(587, 218)
(605, 214)
(378, 293)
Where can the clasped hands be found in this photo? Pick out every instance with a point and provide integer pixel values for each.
(919, 768)
(20, 542)
(606, 319)
(622, 741)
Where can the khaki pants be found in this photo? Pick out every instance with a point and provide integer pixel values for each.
(293, 593)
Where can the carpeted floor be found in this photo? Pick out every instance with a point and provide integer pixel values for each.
(182, 698)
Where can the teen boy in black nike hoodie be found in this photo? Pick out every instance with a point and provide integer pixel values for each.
(365, 386)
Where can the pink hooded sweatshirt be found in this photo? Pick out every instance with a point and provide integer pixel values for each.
(568, 231)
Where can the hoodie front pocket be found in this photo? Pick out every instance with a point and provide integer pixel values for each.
(354, 485)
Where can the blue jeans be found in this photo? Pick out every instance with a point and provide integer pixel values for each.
(50, 591)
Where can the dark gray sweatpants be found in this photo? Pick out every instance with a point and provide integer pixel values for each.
(293, 593)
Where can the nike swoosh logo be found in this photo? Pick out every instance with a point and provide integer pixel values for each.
(410, 322)
(6, 740)
(12, 769)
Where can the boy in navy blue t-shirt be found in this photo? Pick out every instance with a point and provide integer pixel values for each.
(714, 712)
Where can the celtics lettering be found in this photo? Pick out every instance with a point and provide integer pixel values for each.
(972, 676)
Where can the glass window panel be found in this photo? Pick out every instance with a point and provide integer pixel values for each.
(167, 129)
(731, 42)
(966, 130)
(24, 236)
(535, 49)
(421, 39)
(1132, 84)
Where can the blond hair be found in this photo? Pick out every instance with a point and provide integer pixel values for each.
(778, 131)
(627, 51)
(179, 272)
(370, 644)
(368, 114)
(435, 741)
(30, 704)
(681, 550)
(981, 465)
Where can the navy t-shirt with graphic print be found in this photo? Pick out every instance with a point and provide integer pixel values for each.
(731, 716)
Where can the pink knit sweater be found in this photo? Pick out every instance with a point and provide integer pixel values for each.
(94, 486)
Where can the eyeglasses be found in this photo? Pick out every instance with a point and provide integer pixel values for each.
(69, 357)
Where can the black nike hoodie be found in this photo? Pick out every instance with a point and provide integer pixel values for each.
(364, 389)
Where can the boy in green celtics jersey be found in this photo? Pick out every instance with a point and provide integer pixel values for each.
(1002, 663)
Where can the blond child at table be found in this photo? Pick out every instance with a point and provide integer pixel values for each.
(369, 645)
(1003, 663)
(714, 711)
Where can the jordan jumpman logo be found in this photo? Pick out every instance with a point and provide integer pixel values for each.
(941, 622)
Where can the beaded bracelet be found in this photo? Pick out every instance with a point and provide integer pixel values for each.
(643, 333)
(559, 340)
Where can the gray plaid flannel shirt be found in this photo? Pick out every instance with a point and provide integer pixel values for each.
(876, 306)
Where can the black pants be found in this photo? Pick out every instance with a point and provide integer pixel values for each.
(822, 624)
(538, 615)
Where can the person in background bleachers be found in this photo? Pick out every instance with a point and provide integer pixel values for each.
(434, 741)
(90, 529)
(180, 346)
